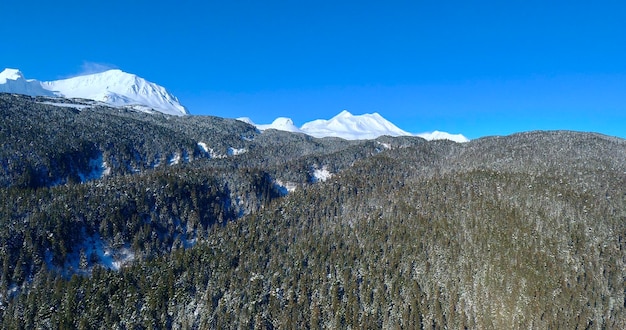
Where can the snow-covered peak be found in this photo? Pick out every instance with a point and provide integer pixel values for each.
(437, 135)
(13, 81)
(112, 87)
(352, 127)
(10, 74)
(283, 121)
(118, 88)
(281, 124)
(344, 114)
(246, 120)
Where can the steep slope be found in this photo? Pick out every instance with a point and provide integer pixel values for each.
(113, 87)
(118, 88)
(523, 231)
(47, 141)
(58, 150)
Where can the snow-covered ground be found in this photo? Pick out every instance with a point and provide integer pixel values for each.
(67, 105)
(235, 151)
(93, 252)
(321, 174)
(175, 159)
(285, 187)
(203, 147)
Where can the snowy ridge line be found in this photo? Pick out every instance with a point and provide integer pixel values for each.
(113, 87)
(351, 127)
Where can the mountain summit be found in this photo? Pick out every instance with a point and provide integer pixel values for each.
(113, 87)
(13, 81)
(10, 74)
(352, 127)
(118, 88)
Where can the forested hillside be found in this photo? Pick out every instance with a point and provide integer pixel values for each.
(101, 228)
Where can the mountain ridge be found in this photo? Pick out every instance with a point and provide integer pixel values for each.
(121, 89)
(351, 127)
(112, 87)
(118, 88)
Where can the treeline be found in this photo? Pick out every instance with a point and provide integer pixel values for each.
(44, 144)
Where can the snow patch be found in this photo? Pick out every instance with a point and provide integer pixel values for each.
(93, 251)
(12, 291)
(191, 242)
(107, 169)
(247, 138)
(175, 159)
(285, 187)
(156, 162)
(385, 145)
(203, 147)
(216, 155)
(234, 151)
(186, 157)
(321, 174)
(121, 258)
(67, 105)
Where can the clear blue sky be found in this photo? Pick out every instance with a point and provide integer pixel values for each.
(472, 67)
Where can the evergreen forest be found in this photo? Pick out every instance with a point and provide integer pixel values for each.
(116, 219)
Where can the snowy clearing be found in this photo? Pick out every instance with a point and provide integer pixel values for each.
(321, 175)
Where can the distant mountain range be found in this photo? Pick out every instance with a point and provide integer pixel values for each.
(120, 89)
(352, 127)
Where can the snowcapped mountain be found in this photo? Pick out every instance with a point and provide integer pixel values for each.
(350, 127)
(13, 81)
(437, 135)
(281, 124)
(112, 87)
(118, 88)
